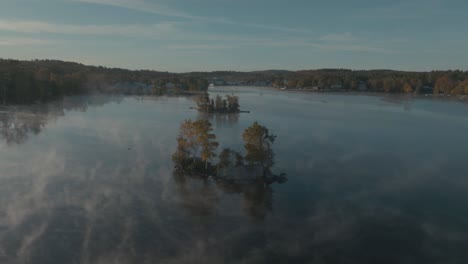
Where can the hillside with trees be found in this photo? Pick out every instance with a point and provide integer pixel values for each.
(23, 82)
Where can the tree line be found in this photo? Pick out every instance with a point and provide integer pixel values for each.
(453, 82)
(386, 81)
(24, 82)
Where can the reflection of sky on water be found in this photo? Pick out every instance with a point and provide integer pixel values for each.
(370, 181)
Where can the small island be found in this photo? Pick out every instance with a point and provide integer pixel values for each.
(218, 105)
(196, 149)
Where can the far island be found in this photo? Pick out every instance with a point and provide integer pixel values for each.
(218, 105)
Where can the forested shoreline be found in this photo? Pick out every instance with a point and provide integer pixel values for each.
(452, 82)
(24, 82)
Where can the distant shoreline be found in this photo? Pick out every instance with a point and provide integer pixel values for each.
(23, 82)
(463, 98)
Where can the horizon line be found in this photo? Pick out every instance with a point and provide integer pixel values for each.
(238, 71)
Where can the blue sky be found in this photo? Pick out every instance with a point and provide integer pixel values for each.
(205, 35)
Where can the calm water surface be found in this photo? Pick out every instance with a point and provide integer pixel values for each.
(372, 179)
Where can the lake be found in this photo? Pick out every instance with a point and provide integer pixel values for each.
(371, 179)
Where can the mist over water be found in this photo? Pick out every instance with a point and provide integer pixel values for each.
(372, 179)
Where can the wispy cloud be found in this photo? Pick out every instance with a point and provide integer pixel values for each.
(171, 30)
(399, 40)
(175, 32)
(126, 30)
(207, 47)
(269, 27)
(142, 6)
(400, 10)
(286, 43)
(345, 37)
(14, 41)
(162, 10)
(356, 48)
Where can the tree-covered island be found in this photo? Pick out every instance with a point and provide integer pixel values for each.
(196, 150)
(219, 105)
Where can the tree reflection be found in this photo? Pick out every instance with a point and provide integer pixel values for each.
(197, 195)
(17, 123)
(220, 118)
(257, 196)
(200, 196)
(14, 130)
